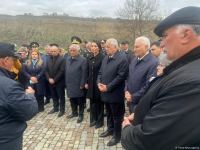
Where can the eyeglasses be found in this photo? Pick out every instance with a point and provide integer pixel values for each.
(163, 37)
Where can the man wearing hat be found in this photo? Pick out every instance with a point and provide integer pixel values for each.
(167, 116)
(76, 40)
(125, 48)
(103, 46)
(16, 105)
(34, 45)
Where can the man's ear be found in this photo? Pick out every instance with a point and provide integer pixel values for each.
(3, 61)
(186, 36)
(6, 59)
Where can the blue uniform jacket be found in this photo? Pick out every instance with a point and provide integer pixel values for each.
(16, 108)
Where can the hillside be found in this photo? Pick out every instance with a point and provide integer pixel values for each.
(59, 29)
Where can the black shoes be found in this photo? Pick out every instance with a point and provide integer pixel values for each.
(72, 115)
(88, 110)
(98, 126)
(106, 133)
(80, 119)
(41, 109)
(93, 124)
(52, 111)
(113, 141)
(60, 114)
(46, 102)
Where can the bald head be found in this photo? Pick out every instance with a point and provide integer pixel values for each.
(141, 46)
(74, 50)
(111, 46)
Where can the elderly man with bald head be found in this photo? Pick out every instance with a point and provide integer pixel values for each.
(111, 83)
(141, 70)
(75, 80)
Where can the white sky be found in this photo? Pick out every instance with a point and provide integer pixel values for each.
(81, 8)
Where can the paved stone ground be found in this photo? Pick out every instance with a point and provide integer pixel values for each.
(48, 132)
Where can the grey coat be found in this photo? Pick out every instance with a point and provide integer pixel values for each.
(75, 76)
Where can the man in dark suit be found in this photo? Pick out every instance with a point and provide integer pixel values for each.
(111, 82)
(45, 58)
(167, 116)
(141, 70)
(55, 75)
(124, 47)
(103, 47)
(75, 80)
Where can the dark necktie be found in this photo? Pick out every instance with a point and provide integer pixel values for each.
(54, 60)
(109, 59)
(71, 60)
(138, 61)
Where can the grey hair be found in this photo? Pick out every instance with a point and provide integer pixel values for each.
(75, 46)
(113, 42)
(194, 27)
(145, 40)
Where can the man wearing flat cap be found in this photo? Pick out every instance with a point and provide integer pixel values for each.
(167, 116)
(16, 105)
(76, 40)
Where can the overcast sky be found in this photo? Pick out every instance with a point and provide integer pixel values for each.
(81, 8)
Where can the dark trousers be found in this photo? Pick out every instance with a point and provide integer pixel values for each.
(96, 111)
(85, 93)
(47, 91)
(115, 115)
(75, 102)
(15, 144)
(39, 95)
(40, 101)
(58, 95)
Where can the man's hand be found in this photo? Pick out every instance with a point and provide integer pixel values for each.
(34, 79)
(82, 87)
(29, 90)
(51, 81)
(86, 86)
(128, 96)
(128, 120)
(131, 117)
(102, 87)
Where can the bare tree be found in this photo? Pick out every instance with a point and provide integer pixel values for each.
(138, 14)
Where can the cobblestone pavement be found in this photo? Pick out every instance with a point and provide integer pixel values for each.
(48, 132)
